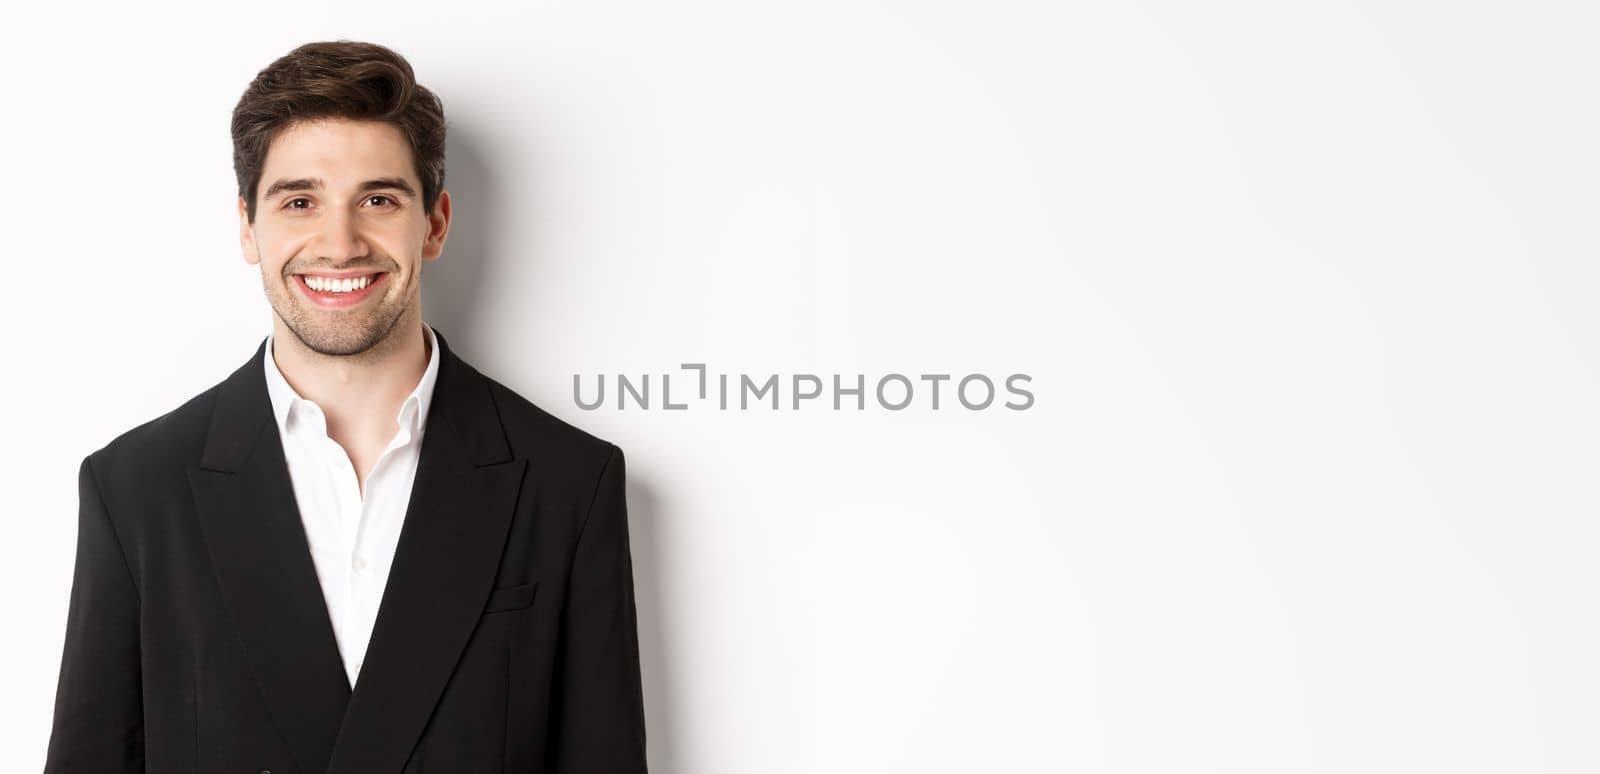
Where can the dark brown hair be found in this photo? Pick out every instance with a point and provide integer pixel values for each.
(337, 79)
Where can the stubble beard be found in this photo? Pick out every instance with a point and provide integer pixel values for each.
(335, 334)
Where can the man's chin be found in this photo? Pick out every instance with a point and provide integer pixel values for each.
(336, 340)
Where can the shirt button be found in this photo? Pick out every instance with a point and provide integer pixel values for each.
(360, 564)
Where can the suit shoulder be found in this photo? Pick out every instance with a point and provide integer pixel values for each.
(532, 430)
(173, 438)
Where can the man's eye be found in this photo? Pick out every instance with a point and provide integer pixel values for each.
(381, 197)
(291, 203)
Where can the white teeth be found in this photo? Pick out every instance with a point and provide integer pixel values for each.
(331, 285)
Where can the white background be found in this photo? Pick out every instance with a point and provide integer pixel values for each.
(1305, 289)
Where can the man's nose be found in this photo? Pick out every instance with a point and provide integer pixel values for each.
(339, 237)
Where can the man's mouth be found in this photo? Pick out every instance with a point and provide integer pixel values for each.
(338, 291)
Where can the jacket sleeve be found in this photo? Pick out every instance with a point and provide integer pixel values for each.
(98, 724)
(599, 705)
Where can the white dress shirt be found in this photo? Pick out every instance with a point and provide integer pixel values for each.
(352, 537)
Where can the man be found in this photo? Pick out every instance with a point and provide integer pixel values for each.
(356, 554)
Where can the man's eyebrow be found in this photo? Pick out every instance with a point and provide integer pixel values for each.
(315, 184)
(298, 184)
(382, 183)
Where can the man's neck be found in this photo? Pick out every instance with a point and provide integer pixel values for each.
(360, 395)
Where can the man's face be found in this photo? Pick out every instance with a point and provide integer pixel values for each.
(340, 233)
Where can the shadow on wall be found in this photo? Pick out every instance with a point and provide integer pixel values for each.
(455, 295)
(650, 569)
(453, 287)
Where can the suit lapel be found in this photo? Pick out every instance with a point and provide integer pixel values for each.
(252, 528)
(449, 550)
(462, 500)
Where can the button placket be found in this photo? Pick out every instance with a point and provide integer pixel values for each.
(347, 499)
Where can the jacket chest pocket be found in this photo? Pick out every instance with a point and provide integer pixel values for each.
(511, 597)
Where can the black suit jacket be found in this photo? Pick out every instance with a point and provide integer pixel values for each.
(198, 640)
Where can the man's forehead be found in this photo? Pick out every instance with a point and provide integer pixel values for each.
(339, 151)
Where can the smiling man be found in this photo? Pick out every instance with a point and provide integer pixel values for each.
(356, 553)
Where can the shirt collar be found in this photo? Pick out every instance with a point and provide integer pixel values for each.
(413, 414)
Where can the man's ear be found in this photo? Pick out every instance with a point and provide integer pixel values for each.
(438, 227)
(247, 236)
